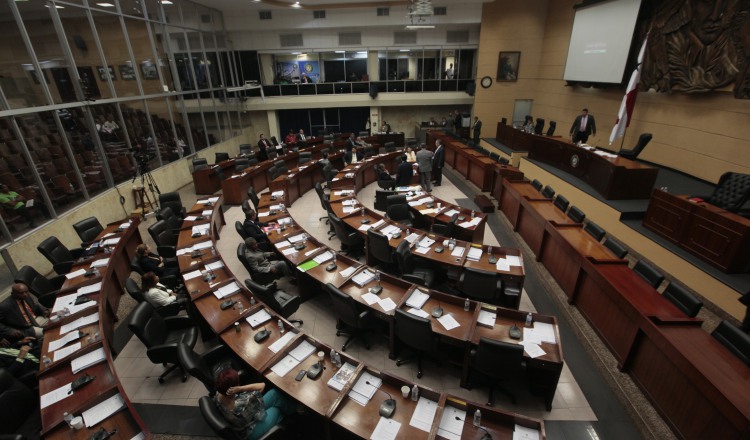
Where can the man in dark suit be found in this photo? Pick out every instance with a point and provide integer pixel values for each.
(21, 315)
(254, 228)
(477, 130)
(583, 127)
(404, 173)
(263, 146)
(457, 121)
(301, 135)
(438, 161)
(424, 165)
(349, 149)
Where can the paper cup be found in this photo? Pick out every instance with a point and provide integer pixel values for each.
(77, 422)
(405, 390)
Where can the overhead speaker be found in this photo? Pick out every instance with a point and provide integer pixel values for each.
(471, 88)
(373, 91)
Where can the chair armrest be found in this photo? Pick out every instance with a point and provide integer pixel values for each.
(178, 322)
(63, 268)
(171, 262)
(215, 354)
(57, 281)
(414, 278)
(166, 353)
(48, 300)
(167, 251)
(77, 252)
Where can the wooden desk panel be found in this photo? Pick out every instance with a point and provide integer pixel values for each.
(533, 219)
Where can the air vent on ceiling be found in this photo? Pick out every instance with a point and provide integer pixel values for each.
(350, 38)
(205, 18)
(440, 10)
(319, 14)
(384, 12)
(457, 37)
(265, 15)
(404, 38)
(291, 40)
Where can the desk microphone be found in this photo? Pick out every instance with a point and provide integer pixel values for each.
(437, 311)
(377, 289)
(388, 407)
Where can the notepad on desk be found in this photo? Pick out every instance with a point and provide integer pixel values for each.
(97, 413)
(80, 322)
(417, 299)
(418, 312)
(92, 288)
(258, 318)
(363, 278)
(386, 429)
(370, 298)
(524, 433)
(228, 290)
(55, 396)
(487, 318)
(448, 321)
(339, 380)
(475, 254)
(65, 352)
(281, 342)
(452, 423)
(215, 265)
(424, 414)
(365, 387)
(348, 271)
(87, 360)
(65, 340)
(458, 251)
(74, 274)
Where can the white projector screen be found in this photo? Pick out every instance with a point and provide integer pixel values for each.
(600, 42)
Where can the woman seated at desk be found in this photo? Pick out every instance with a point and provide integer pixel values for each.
(158, 295)
(251, 413)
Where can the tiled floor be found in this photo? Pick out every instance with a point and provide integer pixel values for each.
(138, 375)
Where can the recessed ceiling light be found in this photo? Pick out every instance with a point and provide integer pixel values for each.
(340, 51)
(56, 6)
(362, 51)
(412, 27)
(403, 50)
(106, 5)
(296, 5)
(296, 53)
(166, 2)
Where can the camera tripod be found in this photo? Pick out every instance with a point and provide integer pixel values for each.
(142, 197)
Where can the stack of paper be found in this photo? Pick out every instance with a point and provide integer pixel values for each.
(258, 318)
(65, 352)
(282, 244)
(451, 212)
(514, 260)
(215, 265)
(365, 388)
(458, 251)
(502, 265)
(342, 377)
(281, 342)
(206, 213)
(487, 318)
(418, 312)
(297, 238)
(111, 241)
(390, 231)
(74, 274)
(299, 354)
(92, 288)
(191, 218)
(213, 199)
(100, 263)
(541, 332)
(190, 275)
(386, 429)
(348, 271)
(448, 321)
(474, 254)
(92, 358)
(325, 256)
(412, 237)
(225, 291)
(452, 423)
(55, 396)
(277, 193)
(57, 343)
(426, 242)
(202, 245)
(363, 278)
(96, 414)
(424, 414)
(200, 229)
(124, 226)
(524, 433)
(417, 299)
(78, 323)
(378, 223)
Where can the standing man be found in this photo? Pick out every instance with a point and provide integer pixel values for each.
(404, 171)
(21, 315)
(439, 160)
(449, 72)
(583, 127)
(424, 164)
(263, 146)
(457, 121)
(477, 130)
(449, 122)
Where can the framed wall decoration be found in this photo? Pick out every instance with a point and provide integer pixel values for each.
(103, 73)
(149, 71)
(126, 72)
(507, 66)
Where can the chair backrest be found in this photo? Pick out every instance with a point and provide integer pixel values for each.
(253, 197)
(246, 149)
(173, 201)
(397, 212)
(147, 325)
(413, 331)
(134, 290)
(616, 248)
(17, 401)
(36, 282)
(87, 229)
(736, 341)
(344, 307)
(498, 359)
(548, 192)
(381, 196)
(55, 251)
(537, 184)
(369, 151)
(648, 273)
(330, 172)
(731, 192)
(480, 285)
(221, 157)
(241, 256)
(576, 214)
(194, 365)
(396, 199)
(274, 141)
(272, 154)
(390, 147)
(265, 294)
(199, 163)
(162, 234)
(633, 153)
(170, 217)
(321, 194)
(594, 230)
(539, 127)
(216, 420)
(551, 129)
(561, 202)
(338, 226)
(240, 230)
(281, 166)
(378, 247)
(683, 299)
(404, 258)
(304, 157)
(240, 164)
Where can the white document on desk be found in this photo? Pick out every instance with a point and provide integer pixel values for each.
(451, 213)
(546, 332)
(57, 343)
(422, 250)
(418, 312)
(502, 265)
(91, 358)
(55, 396)
(65, 352)
(322, 258)
(513, 260)
(370, 298)
(190, 275)
(524, 433)
(64, 301)
(91, 288)
(297, 238)
(227, 290)
(387, 304)
(487, 318)
(475, 254)
(258, 318)
(424, 414)
(449, 322)
(417, 299)
(215, 265)
(289, 251)
(76, 273)
(80, 322)
(312, 251)
(386, 429)
(533, 349)
(282, 244)
(191, 218)
(285, 365)
(97, 413)
(452, 423)
(302, 351)
(202, 245)
(348, 271)
(100, 262)
(458, 252)
(281, 342)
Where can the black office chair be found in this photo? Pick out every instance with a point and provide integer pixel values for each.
(575, 214)
(561, 202)
(399, 212)
(206, 366)
(88, 229)
(389, 147)
(285, 304)
(734, 339)
(548, 192)
(252, 160)
(594, 230)
(281, 166)
(512, 291)
(633, 153)
(379, 249)
(134, 290)
(164, 237)
(240, 164)
(539, 127)
(500, 361)
(136, 293)
(551, 129)
(387, 184)
(351, 242)
(537, 185)
(648, 273)
(410, 272)
(246, 149)
(173, 201)
(369, 151)
(173, 221)
(330, 172)
(616, 248)
(381, 203)
(272, 154)
(240, 230)
(304, 157)
(259, 277)
(161, 336)
(683, 299)
(216, 420)
(253, 197)
(18, 402)
(445, 229)
(221, 157)
(480, 285)
(45, 290)
(351, 318)
(273, 173)
(60, 256)
(199, 163)
(416, 333)
(731, 193)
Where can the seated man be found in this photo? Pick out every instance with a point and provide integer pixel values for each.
(404, 172)
(21, 315)
(290, 137)
(384, 175)
(20, 358)
(15, 202)
(324, 161)
(158, 295)
(253, 228)
(151, 262)
(259, 261)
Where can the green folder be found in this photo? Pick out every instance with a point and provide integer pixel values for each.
(307, 265)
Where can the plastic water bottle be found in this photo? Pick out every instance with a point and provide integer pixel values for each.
(529, 320)
(477, 417)
(338, 360)
(252, 300)
(466, 305)
(46, 360)
(415, 393)
(333, 357)
(281, 327)
(68, 417)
